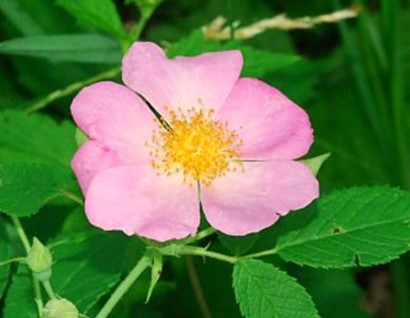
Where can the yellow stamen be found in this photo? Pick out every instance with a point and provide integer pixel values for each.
(196, 145)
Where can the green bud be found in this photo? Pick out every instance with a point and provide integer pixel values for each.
(60, 308)
(39, 260)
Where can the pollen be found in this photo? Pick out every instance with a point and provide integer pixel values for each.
(197, 145)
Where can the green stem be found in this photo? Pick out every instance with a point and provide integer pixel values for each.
(26, 244)
(38, 298)
(12, 260)
(197, 287)
(201, 235)
(137, 29)
(21, 233)
(72, 197)
(272, 251)
(200, 251)
(49, 289)
(70, 89)
(124, 286)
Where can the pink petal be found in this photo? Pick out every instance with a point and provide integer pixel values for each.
(136, 200)
(183, 82)
(243, 203)
(116, 117)
(90, 159)
(270, 125)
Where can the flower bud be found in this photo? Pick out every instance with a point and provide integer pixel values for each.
(60, 308)
(39, 260)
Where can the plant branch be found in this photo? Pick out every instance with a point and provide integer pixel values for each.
(200, 251)
(272, 251)
(201, 235)
(72, 88)
(26, 244)
(196, 286)
(21, 233)
(49, 289)
(124, 286)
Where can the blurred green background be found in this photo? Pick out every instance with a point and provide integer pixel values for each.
(352, 78)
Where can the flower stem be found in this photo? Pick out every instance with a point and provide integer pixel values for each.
(272, 251)
(135, 32)
(45, 101)
(21, 233)
(201, 235)
(38, 297)
(124, 286)
(200, 251)
(12, 260)
(26, 244)
(49, 289)
(197, 287)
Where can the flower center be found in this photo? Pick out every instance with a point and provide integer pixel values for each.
(196, 145)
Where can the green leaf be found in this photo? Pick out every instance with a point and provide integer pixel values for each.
(257, 63)
(35, 138)
(18, 15)
(358, 226)
(87, 267)
(19, 301)
(25, 188)
(315, 163)
(100, 14)
(5, 255)
(263, 290)
(84, 48)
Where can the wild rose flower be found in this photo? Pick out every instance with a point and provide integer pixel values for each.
(223, 143)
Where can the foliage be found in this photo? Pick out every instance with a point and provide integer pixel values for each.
(350, 77)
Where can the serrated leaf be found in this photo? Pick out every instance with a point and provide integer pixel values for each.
(25, 188)
(358, 226)
(35, 138)
(263, 290)
(257, 63)
(86, 267)
(19, 301)
(100, 14)
(5, 255)
(84, 48)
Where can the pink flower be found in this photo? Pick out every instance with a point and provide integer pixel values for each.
(224, 143)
